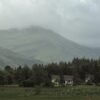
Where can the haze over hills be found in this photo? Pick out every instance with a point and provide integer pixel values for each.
(13, 59)
(44, 45)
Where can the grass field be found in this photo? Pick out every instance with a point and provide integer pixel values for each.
(67, 93)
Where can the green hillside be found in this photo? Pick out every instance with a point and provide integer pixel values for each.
(44, 45)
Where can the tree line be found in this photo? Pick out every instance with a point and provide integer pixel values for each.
(40, 74)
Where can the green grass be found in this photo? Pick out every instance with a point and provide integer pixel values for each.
(67, 93)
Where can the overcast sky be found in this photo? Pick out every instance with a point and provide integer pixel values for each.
(78, 20)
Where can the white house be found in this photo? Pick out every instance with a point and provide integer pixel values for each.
(68, 80)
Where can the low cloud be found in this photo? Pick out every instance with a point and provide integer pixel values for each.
(78, 20)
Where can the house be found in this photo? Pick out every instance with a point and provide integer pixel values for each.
(68, 80)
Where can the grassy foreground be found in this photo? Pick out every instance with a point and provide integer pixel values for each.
(67, 93)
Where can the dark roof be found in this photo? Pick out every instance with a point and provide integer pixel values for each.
(68, 77)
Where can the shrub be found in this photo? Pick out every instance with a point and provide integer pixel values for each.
(27, 83)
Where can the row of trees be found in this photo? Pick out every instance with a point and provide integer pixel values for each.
(41, 74)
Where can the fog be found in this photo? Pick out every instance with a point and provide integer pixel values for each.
(77, 20)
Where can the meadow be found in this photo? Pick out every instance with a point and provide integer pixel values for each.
(66, 93)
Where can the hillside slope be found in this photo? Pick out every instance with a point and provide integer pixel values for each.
(8, 57)
(44, 44)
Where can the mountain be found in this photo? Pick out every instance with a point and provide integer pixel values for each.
(8, 57)
(44, 45)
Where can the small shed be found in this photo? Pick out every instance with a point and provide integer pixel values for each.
(89, 78)
(55, 79)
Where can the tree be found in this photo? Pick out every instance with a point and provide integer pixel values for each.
(40, 76)
(2, 78)
(96, 74)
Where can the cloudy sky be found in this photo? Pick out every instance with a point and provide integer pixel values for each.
(78, 20)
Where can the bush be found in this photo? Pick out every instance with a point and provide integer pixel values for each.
(27, 83)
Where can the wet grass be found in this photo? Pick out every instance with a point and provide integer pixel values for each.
(66, 93)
